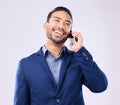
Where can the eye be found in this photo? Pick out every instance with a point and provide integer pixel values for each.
(68, 24)
(56, 20)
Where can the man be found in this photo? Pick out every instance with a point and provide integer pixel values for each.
(55, 75)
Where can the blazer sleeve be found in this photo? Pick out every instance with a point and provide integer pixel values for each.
(93, 77)
(22, 95)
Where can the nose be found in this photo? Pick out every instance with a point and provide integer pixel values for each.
(61, 25)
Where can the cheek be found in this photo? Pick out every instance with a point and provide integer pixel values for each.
(68, 29)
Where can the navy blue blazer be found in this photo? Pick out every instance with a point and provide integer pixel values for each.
(36, 86)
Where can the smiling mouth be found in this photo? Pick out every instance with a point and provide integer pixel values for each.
(59, 33)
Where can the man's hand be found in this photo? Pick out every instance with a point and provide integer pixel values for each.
(77, 45)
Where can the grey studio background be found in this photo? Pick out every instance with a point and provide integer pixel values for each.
(22, 33)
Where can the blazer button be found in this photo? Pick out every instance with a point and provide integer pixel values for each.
(58, 100)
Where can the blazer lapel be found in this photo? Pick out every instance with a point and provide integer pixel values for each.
(43, 63)
(65, 64)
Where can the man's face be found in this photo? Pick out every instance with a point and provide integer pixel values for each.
(58, 27)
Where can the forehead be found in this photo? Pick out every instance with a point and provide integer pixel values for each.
(61, 15)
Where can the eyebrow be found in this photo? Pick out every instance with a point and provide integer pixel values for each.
(65, 20)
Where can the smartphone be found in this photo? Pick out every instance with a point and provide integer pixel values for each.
(72, 41)
(70, 34)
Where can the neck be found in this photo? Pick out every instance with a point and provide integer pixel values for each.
(55, 49)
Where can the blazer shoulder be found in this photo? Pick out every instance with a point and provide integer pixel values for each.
(31, 57)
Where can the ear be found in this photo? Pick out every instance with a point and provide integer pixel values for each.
(45, 25)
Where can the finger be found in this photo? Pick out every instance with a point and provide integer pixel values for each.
(75, 34)
(78, 37)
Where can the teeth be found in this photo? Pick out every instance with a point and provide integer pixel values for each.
(58, 32)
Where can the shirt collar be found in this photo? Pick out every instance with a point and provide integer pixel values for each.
(46, 52)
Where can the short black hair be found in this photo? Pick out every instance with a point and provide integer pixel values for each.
(59, 8)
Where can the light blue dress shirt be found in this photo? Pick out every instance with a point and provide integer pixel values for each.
(54, 63)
